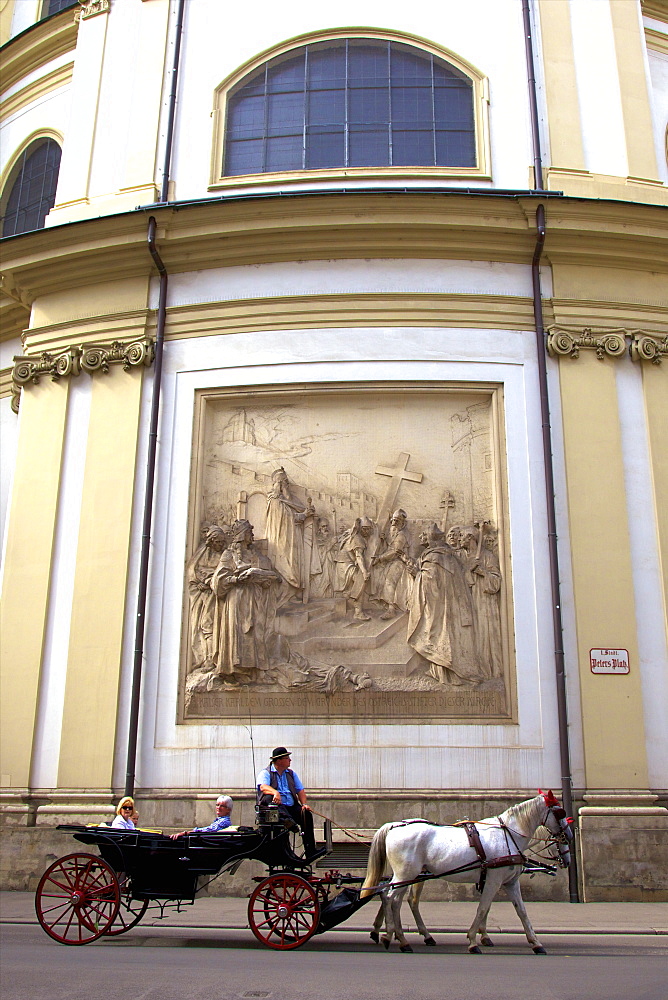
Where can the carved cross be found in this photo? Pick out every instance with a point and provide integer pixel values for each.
(396, 475)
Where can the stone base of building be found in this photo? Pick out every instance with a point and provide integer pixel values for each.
(623, 849)
(622, 846)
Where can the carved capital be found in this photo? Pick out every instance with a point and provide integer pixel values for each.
(89, 357)
(648, 347)
(31, 369)
(16, 397)
(562, 342)
(89, 8)
(98, 357)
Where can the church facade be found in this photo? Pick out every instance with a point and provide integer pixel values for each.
(334, 413)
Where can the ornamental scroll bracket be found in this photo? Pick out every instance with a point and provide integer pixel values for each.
(92, 358)
(611, 343)
(646, 347)
(89, 8)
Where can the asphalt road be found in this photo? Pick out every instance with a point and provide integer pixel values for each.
(207, 964)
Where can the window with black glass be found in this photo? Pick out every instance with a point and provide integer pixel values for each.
(33, 191)
(350, 103)
(55, 6)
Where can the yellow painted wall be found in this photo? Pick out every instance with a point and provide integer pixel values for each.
(638, 126)
(98, 607)
(561, 94)
(30, 540)
(612, 712)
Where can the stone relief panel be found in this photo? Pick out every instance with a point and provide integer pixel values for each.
(348, 558)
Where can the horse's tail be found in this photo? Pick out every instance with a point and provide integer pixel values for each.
(377, 859)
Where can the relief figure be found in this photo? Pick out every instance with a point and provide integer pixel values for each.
(354, 565)
(244, 584)
(485, 577)
(286, 515)
(441, 620)
(199, 572)
(397, 584)
(322, 571)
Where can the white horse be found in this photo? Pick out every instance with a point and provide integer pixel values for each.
(414, 847)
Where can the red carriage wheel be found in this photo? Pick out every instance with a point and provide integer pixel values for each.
(130, 911)
(77, 899)
(283, 911)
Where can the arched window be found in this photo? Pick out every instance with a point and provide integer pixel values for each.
(33, 191)
(350, 102)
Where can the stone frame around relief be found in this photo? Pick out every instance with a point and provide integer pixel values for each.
(433, 449)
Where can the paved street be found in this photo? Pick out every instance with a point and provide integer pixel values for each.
(591, 956)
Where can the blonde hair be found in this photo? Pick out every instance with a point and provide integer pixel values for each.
(127, 800)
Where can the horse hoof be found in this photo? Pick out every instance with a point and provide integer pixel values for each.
(406, 948)
(487, 942)
(375, 937)
(539, 950)
(430, 943)
(385, 943)
(475, 950)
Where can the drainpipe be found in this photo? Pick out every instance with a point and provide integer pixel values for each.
(153, 429)
(557, 624)
(533, 102)
(171, 115)
(541, 349)
(148, 515)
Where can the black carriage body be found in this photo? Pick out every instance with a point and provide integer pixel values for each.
(160, 868)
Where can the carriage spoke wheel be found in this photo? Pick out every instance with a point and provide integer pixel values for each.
(130, 911)
(77, 898)
(284, 912)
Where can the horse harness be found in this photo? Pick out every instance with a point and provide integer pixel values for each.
(505, 861)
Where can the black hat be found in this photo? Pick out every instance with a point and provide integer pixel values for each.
(278, 753)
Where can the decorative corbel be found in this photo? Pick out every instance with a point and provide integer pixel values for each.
(648, 347)
(561, 342)
(98, 357)
(89, 8)
(31, 369)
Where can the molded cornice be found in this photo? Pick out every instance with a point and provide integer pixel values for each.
(223, 233)
(37, 46)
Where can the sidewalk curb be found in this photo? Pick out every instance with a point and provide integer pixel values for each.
(561, 931)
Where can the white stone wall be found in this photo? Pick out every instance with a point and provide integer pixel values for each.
(361, 756)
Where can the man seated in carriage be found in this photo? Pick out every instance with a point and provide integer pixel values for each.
(279, 785)
(221, 822)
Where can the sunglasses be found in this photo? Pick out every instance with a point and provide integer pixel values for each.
(127, 807)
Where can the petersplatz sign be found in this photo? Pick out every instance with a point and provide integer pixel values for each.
(609, 661)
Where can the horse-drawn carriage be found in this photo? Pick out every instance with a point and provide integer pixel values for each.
(83, 896)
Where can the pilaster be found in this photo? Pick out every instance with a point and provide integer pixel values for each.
(100, 583)
(27, 573)
(612, 711)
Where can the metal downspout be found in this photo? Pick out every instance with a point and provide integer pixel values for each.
(541, 349)
(557, 624)
(171, 115)
(135, 697)
(533, 102)
(148, 515)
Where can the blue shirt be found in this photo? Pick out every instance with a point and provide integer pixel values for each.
(220, 823)
(287, 798)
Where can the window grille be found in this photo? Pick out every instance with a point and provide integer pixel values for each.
(33, 192)
(350, 103)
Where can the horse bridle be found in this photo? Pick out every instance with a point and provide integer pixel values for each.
(563, 838)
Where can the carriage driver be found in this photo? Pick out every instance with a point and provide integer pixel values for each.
(280, 785)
